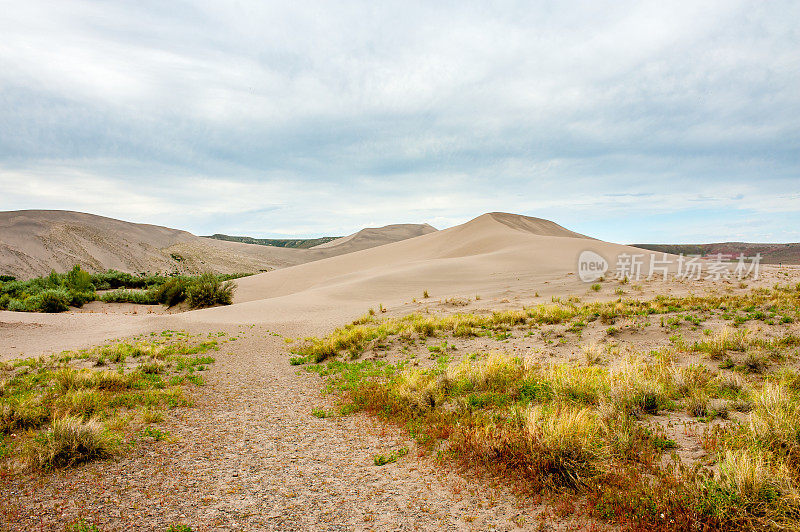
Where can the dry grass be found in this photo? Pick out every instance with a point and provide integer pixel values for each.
(68, 441)
(779, 304)
(63, 415)
(586, 428)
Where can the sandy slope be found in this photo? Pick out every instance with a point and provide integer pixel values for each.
(376, 236)
(33, 243)
(493, 253)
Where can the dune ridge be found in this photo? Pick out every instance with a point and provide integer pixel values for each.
(371, 237)
(34, 242)
(490, 254)
(496, 255)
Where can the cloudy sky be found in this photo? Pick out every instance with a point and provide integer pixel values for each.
(629, 121)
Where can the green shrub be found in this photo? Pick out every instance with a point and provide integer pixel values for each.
(208, 291)
(50, 300)
(129, 296)
(54, 293)
(78, 280)
(171, 292)
(18, 305)
(78, 299)
(116, 279)
(57, 292)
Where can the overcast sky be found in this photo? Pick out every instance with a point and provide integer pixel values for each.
(629, 121)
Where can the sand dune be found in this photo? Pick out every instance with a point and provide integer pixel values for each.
(491, 254)
(496, 255)
(376, 236)
(256, 414)
(34, 242)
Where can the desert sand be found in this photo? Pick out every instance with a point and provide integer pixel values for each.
(377, 236)
(249, 455)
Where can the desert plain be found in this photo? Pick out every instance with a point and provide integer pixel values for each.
(332, 362)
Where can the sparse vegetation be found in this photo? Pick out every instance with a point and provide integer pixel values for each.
(299, 243)
(63, 415)
(58, 292)
(383, 459)
(355, 337)
(587, 429)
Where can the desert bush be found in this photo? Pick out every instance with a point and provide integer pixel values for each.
(208, 291)
(50, 300)
(116, 279)
(172, 292)
(129, 296)
(78, 280)
(57, 292)
(53, 293)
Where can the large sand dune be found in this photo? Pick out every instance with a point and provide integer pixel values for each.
(34, 242)
(490, 255)
(251, 454)
(496, 255)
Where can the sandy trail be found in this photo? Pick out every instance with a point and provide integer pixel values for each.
(250, 456)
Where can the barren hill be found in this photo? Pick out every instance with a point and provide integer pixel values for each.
(34, 242)
(770, 253)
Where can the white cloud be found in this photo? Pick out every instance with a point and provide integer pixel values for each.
(319, 118)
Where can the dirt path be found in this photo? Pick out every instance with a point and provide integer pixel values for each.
(250, 456)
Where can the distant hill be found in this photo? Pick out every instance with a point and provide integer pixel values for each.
(34, 242)
(375, 236)
(770, 253)
(298, 243)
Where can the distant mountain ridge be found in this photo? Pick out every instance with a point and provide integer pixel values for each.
(770, 253)
(296, 243)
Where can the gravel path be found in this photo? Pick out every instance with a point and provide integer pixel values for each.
(250, 456)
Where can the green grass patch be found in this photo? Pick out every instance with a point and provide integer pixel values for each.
(62, 415)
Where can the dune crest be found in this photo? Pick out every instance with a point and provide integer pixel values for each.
(490, 254)
(537, 226)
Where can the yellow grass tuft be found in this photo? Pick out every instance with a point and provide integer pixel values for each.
(68, 441)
